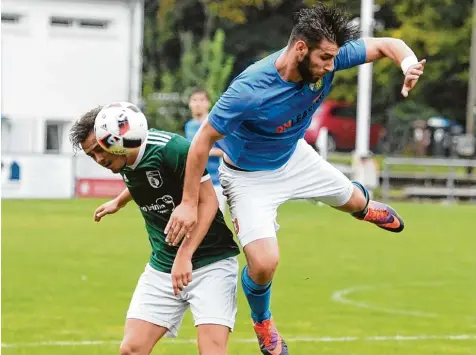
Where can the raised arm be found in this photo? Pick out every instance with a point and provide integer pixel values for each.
(207, 209)
(190, 134)
(184, 217)
(368, 50)
(400, 54)
(233, 107)
(392, 48)
(197, 159)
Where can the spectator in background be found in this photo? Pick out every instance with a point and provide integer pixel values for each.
(199, 104)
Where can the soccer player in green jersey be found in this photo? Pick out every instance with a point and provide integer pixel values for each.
(200, 273)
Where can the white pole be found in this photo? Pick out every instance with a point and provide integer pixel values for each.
(136, 28)
(470, 106)
(364, 83)
(321, 142)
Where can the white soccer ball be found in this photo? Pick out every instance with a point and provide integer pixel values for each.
(120, 127)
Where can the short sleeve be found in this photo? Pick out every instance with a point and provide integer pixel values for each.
(236, 105)
(189, 131)
(351, 54)
(175, 157)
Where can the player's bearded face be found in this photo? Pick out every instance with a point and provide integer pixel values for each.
(304, 67)
(318, 61)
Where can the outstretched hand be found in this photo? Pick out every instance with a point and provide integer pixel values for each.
(411, 77)
(109, 207)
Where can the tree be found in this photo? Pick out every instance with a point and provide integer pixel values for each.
(439, 30)
(170, 31)
(204, 65)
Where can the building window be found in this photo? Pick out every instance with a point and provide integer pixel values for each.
(91, 23)
(73, 22)
(61, 21)
(11, 18)
(54, 137)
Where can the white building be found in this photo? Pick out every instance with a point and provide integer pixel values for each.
(60, 58)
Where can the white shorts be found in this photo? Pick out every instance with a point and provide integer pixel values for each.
(211, 297)
(254, 197)
(221, 198)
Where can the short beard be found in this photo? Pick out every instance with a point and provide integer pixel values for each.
(304, 71)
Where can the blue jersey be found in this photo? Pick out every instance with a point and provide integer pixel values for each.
(191, 128)
(262, 116)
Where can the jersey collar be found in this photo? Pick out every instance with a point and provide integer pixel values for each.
(198, 121)
(139, 156)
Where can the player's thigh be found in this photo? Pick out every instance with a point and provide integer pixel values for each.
(154, 301)
(253, 200)
(212, 294)
(318, 180)
(140, 337)
(212, 339)
(253, 217)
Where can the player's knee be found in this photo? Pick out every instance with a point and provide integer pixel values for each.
(131, 348)
(262, 270)
(212, 339)
(212, 346)
(263, 257)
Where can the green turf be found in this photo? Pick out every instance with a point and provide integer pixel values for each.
(66, 278)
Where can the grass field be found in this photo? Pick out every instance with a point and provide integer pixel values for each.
(343, 287)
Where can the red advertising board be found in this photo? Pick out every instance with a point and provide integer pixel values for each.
(99, 187)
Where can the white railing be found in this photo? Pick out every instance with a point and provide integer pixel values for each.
(450, 190)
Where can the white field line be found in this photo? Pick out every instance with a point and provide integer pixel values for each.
(341, 296)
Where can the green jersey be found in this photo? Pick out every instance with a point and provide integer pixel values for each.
(155, 181)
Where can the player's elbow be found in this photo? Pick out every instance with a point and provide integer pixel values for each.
(389, 46)
(208, 206)
(388, 41)
(377, 48)
(208, 202)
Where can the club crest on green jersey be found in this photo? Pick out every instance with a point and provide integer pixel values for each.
(155, 180)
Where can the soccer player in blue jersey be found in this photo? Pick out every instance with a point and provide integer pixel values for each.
(199, 104)
(260, 122)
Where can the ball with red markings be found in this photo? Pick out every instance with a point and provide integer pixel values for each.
(120, 127)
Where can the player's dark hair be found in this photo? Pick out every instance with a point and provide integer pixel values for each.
(320, 22)
(82, 128)
(199, 90)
